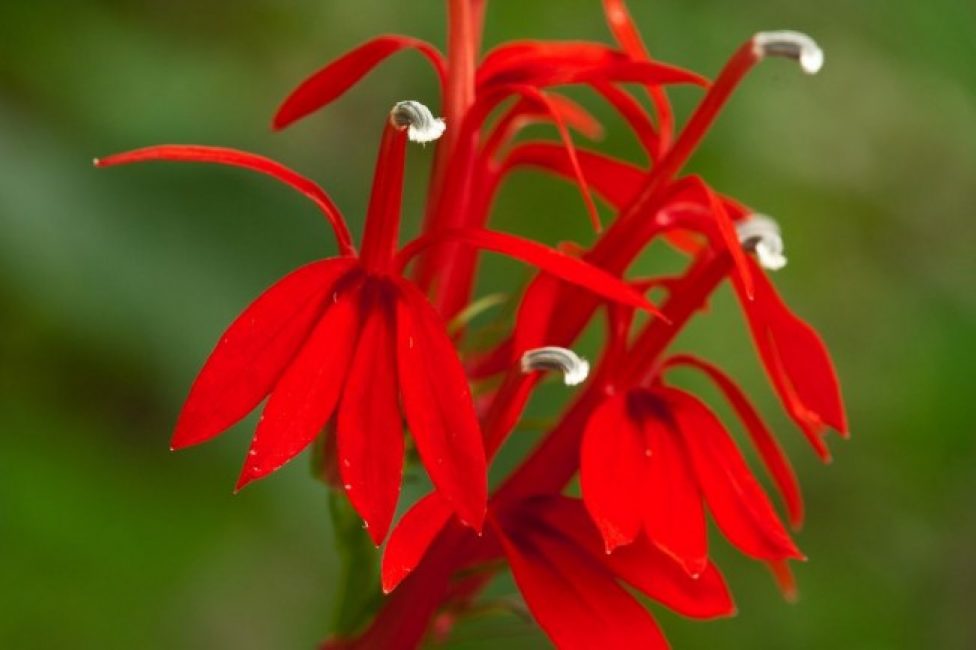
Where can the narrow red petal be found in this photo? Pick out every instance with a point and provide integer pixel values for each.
(337, 77)
(805, 358)
(769, 450)
(411, 538)
(437, 403)
(628, 36)
(642, 565)
(254, 351)
(369, 432)
(250, 161)
(613, 466)
(632, 111)
(735, 499)
(306, 395)
(575, 599)
(526, 112)
(616, 181)
(674, 516)
(541, 64)
(565, 267)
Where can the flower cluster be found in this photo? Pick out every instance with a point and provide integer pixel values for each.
(354, 350)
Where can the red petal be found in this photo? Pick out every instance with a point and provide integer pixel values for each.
(306, 395)
(616, 181)
(627, 35)
(658, 576)
(412, 537)
(674, 516)
(769, 450)
(526, 112)
(254, 351)
(735, 499)
(369, 432)
(632, 111)
(339, 76)
(575, 599)
(438, 406)
(253, 162)
(804, 356)
(612, 471)
(540, 64)
(563, 266)
(642, 565)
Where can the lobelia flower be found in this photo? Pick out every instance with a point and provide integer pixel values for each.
(351, 341)
(350, 338)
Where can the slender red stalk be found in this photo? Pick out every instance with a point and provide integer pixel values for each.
(383, 216)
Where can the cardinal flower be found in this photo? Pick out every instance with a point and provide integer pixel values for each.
(349, 339)
(652, 459)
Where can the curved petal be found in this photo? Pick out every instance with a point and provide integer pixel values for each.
(254, 351)
(613, 466)
(305, 397)
(575, 599)
(616, 181)
(340, 75)
(674, 516)
(541, 64)
(369, 433)
(769, 450)
(735, 499)
(411, 538)
(437, 403)
(641, 564)
(253, 162)
(565, 267)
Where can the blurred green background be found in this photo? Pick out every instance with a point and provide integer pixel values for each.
(115, 284)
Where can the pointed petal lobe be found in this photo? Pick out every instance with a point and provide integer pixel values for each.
(254, 352)
(437, 403)
(612, 471)
(369, 432)
(735, 499)
(306, 395)
(340, 75)
(411, 538)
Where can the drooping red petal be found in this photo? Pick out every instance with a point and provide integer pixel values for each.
(575, 599)
(769, 450)
(627, 35)
(369, 433)
(804, 356)
(340, 75)
(254, 351)
(411, 538)
(642, 565)
(674, 516)
(541, 64)
(565, 267)
(613, 467)
(438, 406)
(616, 181)
(305, 397)
(253, 162)
(631, 110)
(735, 499)
(525, 112)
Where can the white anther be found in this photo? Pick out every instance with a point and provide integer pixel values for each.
(790, 45)
(574, 368)
(761, 235)
(420, 123)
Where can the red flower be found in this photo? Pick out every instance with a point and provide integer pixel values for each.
(350, 337)
(650, 458)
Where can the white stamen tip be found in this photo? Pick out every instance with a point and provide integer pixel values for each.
(791, 45)
(761, 235)
(575, 369)
(420, 123)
